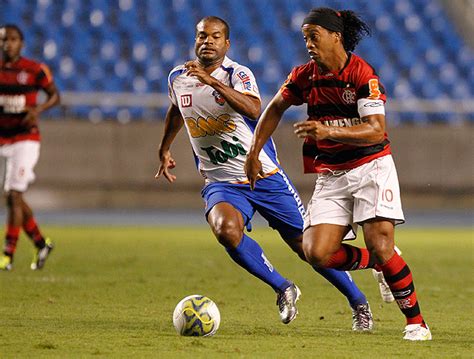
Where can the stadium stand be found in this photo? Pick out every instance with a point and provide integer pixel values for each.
(128, 46)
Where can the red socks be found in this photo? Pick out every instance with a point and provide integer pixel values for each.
(396, 273)
(399, 278)
(350, 258)
(10, 240)
(32, 230)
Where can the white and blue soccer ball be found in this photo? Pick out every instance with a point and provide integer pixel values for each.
(196, 315)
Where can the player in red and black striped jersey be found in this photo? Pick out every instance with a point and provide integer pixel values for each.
(347, 146)
(335, 99)
(20, 81)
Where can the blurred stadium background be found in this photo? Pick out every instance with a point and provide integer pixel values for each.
(111, 58)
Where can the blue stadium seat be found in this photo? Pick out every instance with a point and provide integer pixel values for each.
(127, 46)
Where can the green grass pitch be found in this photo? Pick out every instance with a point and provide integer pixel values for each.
(110, 292)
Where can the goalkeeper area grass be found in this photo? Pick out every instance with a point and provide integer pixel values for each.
(110, 292)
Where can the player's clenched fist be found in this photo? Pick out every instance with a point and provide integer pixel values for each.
(314, 129)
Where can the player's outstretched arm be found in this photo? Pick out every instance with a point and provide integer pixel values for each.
(266, 126)
(174, 123)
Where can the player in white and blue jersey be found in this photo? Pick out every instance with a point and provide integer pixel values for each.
(218, 101)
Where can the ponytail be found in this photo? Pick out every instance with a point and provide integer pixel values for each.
(354, 29)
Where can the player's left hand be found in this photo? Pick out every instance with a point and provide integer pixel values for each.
(31, 117)
(167, 163)
(314, 129)
(195, 69)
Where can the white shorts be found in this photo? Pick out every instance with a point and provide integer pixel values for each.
(21, 158)
(350, 197)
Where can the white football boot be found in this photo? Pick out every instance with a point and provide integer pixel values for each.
(416, 332)
(385, 291)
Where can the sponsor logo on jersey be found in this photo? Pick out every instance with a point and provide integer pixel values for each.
(242, 75)
(344, 122)
(210, 126)
(229, 150)
(13, 104)
(218, 97)
(186, 100)
(22, 77)
(349, 96)
(374, 90)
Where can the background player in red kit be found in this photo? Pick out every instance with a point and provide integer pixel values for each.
(20, 80)
(347, 146)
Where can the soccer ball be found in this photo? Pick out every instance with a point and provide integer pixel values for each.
(196, 315)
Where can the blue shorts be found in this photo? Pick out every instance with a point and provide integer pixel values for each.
(274, 197)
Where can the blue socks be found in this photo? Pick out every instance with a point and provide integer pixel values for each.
(343, 282)
(249, 255)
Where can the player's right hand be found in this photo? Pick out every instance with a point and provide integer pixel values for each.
(167, 163)
(31, 117)
(253, 170)
(195, 69)
(314, 129)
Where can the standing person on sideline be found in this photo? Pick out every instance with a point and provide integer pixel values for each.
(20, 80)
(346, 145)
(218, 101)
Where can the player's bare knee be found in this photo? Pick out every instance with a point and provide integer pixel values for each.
(321, 260)
(314, 255)
(382, 249)
(228, 234)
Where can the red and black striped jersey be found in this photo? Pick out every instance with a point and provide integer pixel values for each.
(19, 85)
(337, 99)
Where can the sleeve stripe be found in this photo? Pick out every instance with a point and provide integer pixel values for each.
(47, 72)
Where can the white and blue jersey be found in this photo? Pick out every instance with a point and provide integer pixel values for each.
(221, 138)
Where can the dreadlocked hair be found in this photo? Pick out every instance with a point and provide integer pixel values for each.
(354, 29)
